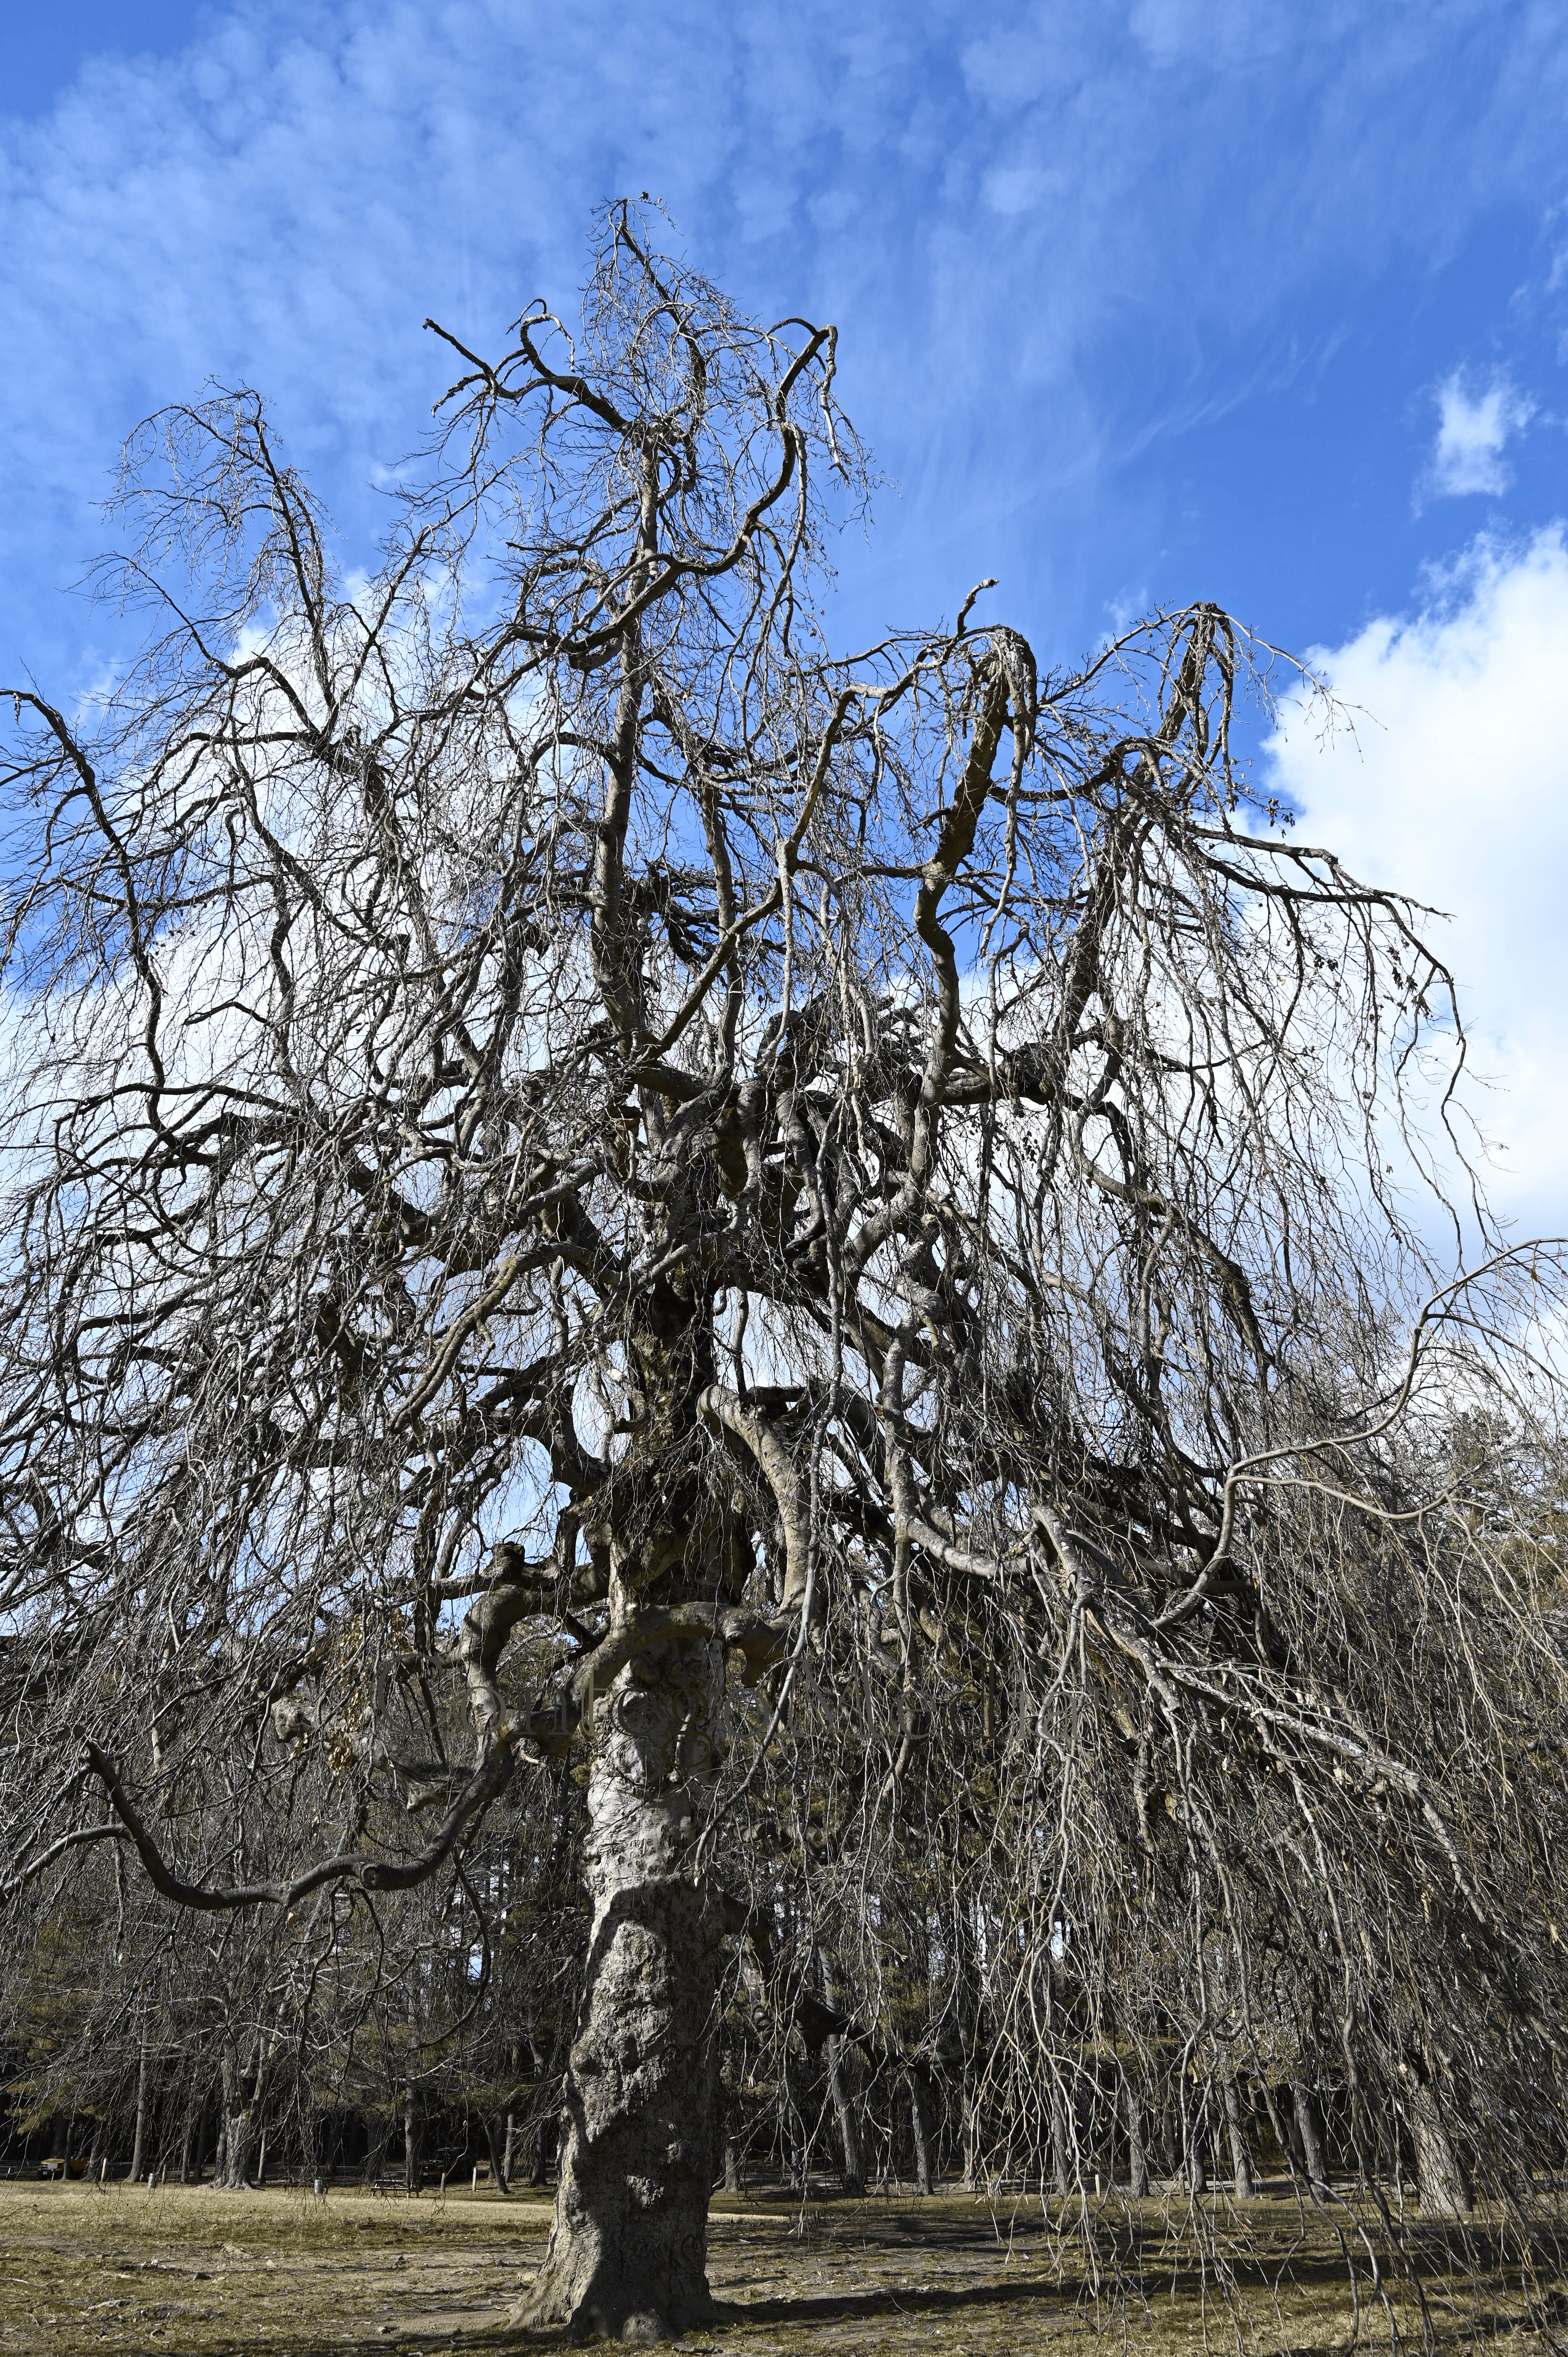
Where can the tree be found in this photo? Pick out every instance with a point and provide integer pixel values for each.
(833, 1205)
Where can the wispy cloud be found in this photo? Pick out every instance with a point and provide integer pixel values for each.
(1473, 431)
(1034, 243)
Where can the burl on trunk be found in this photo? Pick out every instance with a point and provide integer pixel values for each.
(627, 2253)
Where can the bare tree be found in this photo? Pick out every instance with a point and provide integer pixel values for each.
(816, 1223)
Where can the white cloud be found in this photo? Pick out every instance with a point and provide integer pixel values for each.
(1454, 788)
(1472, 432)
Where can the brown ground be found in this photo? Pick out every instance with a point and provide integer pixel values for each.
(187, 2271)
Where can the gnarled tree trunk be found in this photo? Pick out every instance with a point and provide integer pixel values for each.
(627, 2253)
(233, 2171)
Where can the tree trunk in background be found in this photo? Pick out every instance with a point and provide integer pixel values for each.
(627, 2253)
(136, 2169)
(1240, 2161)
(843, 2111)
(238, 2121)
(497, 2139)
(793, 2123)
(841, 2093)
(1192, 2126)
(410, 2140)
(1137, 2159)
(722, 2136)
(920, 2122)
(1061, 2139)
(1440, 2177)
(1309, 2127)
(969, 2127)
(1285, 2134)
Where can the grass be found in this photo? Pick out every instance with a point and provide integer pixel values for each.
(118, 2269)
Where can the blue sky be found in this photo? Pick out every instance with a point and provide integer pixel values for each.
(1139, 300)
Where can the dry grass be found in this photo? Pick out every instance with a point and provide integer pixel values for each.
(122, 2270)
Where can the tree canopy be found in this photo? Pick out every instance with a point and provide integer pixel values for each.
(567, 1136)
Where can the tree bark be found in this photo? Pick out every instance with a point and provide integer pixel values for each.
(1192, 2125)
(1310, 2128)
(1241, 2160)
(1061, 2139)
(239, 2123)
(1285, 2133)
(627, 2253)
(497, 2137)
(1137, 2159)
(920, 2122)
(968, 2125)
(410, 2141)
(843, 2111)
(141, 2117)
(1441, 2182)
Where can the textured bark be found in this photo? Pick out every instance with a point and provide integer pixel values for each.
(1241, 2160)
(238, 2121)
(627, 2253)
(1439, 2173)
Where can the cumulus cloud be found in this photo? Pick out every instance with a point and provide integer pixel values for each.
(1473, 430)
(1454, 786)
